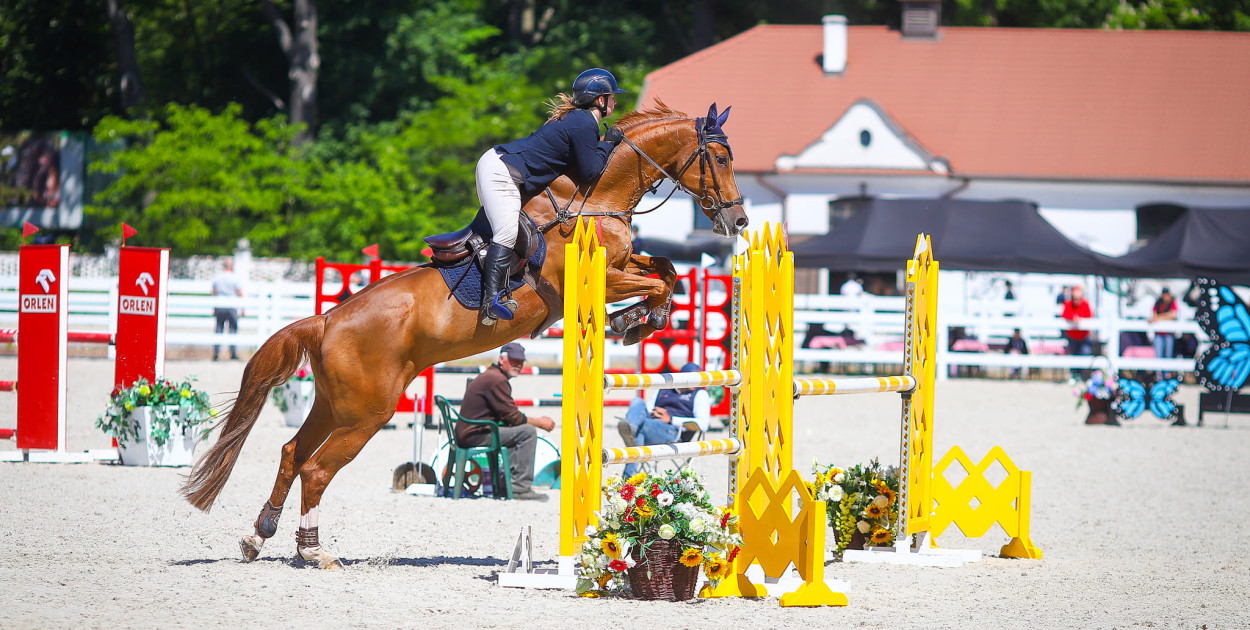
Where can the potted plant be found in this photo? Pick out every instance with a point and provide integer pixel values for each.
(1097, 391)
(157, 424)
(294, 398)
(862, 503)
(655, 534)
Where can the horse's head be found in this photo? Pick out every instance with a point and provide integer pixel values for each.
(712, 184)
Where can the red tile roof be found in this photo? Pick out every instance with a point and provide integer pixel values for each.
(996, 102)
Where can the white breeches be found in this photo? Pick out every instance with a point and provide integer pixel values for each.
(499, 196)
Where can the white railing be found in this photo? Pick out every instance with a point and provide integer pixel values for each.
(876, 321)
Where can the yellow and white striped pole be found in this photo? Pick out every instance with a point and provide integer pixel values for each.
(678, 450)
(617, 382)
(853, 385)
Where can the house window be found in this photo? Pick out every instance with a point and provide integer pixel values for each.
(841, 210)
(1153, 219)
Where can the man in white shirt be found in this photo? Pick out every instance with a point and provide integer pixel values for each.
(225, 284)
(852, 287)
(661, 416)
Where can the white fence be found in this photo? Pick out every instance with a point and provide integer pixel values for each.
(876, 321)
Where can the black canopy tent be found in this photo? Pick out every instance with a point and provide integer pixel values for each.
(1008, 236)
(1213, 243)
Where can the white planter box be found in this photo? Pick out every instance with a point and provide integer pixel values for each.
(299, 401)
(177, 451)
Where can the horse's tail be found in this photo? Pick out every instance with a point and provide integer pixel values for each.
(272, 365)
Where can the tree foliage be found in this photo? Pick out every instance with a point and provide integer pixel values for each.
(409, 94)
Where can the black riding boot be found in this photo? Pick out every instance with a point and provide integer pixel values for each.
(494, 280)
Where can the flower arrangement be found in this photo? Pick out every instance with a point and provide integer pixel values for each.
(641, 510)
(1098, 385)
(169, 401)
(304, 374)
(862, 498)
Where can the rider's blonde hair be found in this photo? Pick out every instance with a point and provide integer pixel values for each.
(560, 105)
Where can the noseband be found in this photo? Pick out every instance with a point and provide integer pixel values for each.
(713, 201)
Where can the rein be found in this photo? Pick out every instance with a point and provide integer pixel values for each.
(713, 201)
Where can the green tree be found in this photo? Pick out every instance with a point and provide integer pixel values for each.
(197, 182)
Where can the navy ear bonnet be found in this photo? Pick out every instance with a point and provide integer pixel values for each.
(710, 128)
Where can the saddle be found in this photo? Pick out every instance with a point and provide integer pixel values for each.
(454, 248)
(459, 256)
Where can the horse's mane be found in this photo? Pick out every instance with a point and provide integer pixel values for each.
(639, 116)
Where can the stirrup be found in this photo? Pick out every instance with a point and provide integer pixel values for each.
(503, 310)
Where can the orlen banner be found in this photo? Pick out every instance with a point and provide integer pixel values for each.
(42, 322)
(142, 295)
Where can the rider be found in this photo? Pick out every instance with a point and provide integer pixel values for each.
(567, 144)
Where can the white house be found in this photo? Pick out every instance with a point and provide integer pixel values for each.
(1109, 133)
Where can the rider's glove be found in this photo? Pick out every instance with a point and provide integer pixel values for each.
(613, 135)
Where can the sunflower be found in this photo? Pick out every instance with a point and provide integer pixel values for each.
(645, 511)
(819, 480)
(889, 494)
(874, 511)
(637, 479)
(604, 579)
(881, 536)
(590, 594)
(811, 490)
(716, 567)
(692, 557)
(610, 546)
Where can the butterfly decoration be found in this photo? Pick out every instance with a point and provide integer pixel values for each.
(1133, 398)
(1222, 315)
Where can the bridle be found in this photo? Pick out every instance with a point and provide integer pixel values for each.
(713, 201)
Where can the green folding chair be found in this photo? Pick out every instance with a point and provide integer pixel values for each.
(458, 456)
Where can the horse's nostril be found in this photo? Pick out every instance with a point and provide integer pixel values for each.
(742, 222)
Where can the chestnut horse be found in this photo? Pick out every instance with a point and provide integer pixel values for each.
(368, 349)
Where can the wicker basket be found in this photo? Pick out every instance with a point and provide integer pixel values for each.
(661, 575)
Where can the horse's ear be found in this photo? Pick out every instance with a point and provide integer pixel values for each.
(724, 116)
(711, 114)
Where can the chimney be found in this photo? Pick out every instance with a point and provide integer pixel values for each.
(834, 57)
(920, 18)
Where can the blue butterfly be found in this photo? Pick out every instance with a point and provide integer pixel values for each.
(1224, 366)
(1133, 399)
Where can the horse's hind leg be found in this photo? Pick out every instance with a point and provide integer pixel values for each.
(340, 447)
(294, 453)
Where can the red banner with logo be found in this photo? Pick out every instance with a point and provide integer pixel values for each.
(42, 325)
(142, 303)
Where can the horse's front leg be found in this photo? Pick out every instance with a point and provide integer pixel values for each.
(640, 320)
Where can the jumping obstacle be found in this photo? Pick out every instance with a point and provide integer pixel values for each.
(774, 537)
(43, 309)
(761, 424)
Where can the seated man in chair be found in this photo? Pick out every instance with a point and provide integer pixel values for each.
(665, 415)
(489, 396)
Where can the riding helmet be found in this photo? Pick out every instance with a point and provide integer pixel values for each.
(592, 84)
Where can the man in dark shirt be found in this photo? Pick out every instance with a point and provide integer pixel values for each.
(489, 397)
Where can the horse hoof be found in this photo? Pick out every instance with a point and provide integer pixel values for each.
(250, 546)
(632, 336)
(323, 559)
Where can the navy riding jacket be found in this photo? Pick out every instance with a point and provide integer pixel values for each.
(568, 146)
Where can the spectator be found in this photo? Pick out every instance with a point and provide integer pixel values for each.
(1164, 311)
(660, 416)
(1008, 295)
(1076, 310)
(852, 287)
(1064, 296)
(489, 397)
(225, 284)
(1016, 345)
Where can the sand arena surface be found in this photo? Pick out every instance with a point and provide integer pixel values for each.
(1141, 526)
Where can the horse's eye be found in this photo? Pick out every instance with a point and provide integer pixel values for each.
(722, 160)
